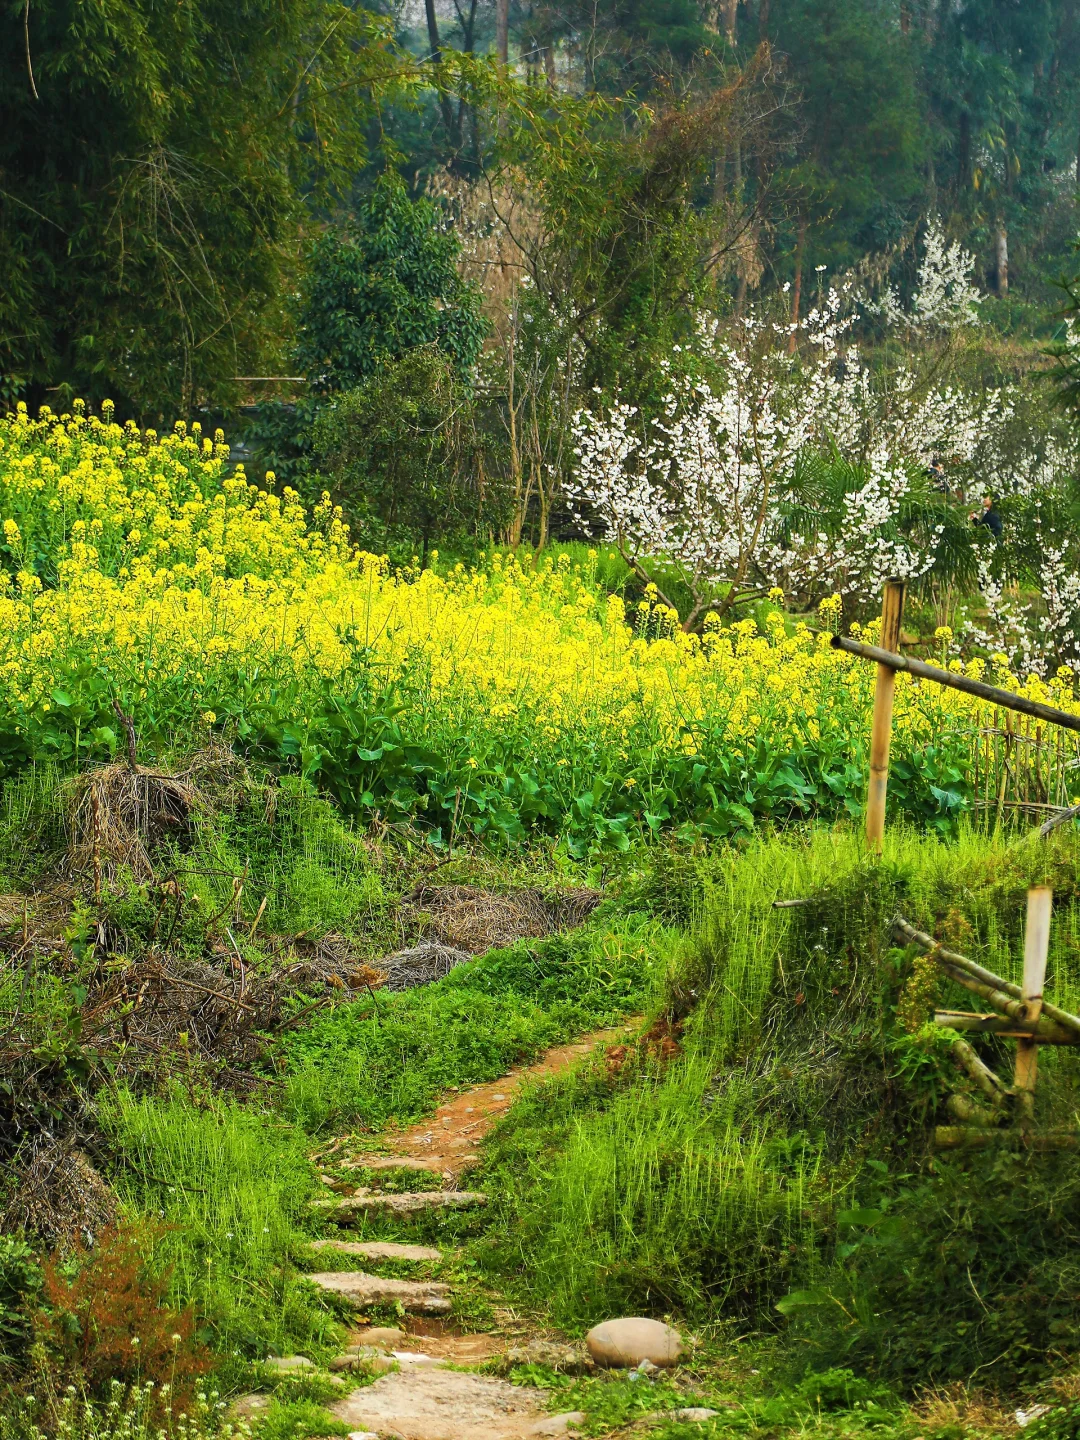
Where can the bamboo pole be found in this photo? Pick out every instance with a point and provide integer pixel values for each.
(1047, 1032)
(963, 1137)
(989, 767)
(969, 1112)
(1005, 698)
(1056, 820)
(1036, 948)
(892, 613)
(989, 1083)
(1001, 1000)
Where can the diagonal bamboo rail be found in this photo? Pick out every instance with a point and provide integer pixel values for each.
(1002, 994)
(991, 693)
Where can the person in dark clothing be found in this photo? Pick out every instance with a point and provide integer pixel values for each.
(989, 517)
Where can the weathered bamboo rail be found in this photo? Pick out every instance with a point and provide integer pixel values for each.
(890, 660)
(1022, 1015)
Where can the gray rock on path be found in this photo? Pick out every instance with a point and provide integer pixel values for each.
(418, 1297)
(558, 1424)
(691, 1415)
(422, 1403)
(395, 1162)
(411, 1202)
(379, 1249)
(624, 1343)
(369, 1358)
(286, 1364)
(386, 1337)
(247, 1407)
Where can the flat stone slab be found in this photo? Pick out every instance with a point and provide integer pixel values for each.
(249, 1407)
(411, 1202)
(363, 1357)
(394, 1162)
(559, 1424)
(421, 1403)
(418, 1297)
(387, 1337)
(379, 1249)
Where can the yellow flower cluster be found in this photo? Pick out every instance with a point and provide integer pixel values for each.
(145, 560)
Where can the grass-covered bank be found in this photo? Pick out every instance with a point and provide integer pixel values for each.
(779, 1167)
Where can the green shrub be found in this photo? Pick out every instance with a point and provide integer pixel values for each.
(20, 1283)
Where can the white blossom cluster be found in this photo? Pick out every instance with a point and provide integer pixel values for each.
(945, 295)
(722, 484)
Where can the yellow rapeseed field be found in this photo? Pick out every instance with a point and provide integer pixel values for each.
(144, 568)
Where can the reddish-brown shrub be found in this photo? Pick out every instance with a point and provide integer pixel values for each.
(105, 1317)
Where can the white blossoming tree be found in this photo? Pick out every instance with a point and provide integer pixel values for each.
(721, 487)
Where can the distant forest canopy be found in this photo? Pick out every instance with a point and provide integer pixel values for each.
(881, 112)
(165, 171)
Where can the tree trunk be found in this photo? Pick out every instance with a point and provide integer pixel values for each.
(436, 57)
(730, 8)
(502, 30)
(517, 518)
(720, 176)
(796, 297)
(1001, 260)
(549, 66)
(763, 20)
(963, 157)
(545, 509)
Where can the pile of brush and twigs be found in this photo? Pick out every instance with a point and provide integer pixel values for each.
(122, 814)
(469, 918)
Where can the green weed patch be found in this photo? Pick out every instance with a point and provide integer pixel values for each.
(231, 1185)
(390, 1055)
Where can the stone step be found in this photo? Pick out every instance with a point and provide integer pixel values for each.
(417, 1297)
(394, 1162)
(411, 1202)
(378, 1249)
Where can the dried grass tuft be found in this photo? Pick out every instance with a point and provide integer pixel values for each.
(421, 964)
(467, 918)
(121, 814)
(60, 1196)
(956, 1405)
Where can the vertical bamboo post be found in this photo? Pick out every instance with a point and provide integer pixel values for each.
(892, 612)
(1036, 948)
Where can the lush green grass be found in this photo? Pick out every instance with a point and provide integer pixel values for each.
(389, 1056)
(231, 1184)
(835, 1402)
